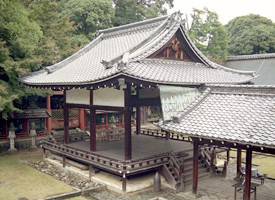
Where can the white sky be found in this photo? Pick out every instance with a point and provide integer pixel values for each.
(228, 9)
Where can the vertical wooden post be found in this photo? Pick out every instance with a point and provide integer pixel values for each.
(81, 119)
(124, 180)
(49, 119)
(127, 118)
(138, 120)
(66, 120)
(248, 174)
(195, 165)
(92, 123)
(137, 115)
(64, 161)
(212, 161)
(167, 135)
(228, 155)
(239, 162)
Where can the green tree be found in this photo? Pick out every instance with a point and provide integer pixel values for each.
(251, 34)
(57, 31)
(208, 34)
(129, 11)
(88, 16)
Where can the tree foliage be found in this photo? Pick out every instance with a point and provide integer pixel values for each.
(251, 34)
(128, 11)
(208, 34)
(32, 34)
(88, 16)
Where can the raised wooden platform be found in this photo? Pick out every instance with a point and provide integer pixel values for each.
(148, 153)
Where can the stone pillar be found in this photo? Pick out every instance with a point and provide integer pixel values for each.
(12, 137)
(33, 135)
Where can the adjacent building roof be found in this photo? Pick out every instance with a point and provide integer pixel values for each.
(125, 50)
(238, 114)
(262, 64)
(32, 114)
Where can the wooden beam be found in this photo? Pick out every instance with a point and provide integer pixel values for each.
(239, 162)
(248, 174)
(219, 143)
(195, 165)
(92, 124)
(127, 123)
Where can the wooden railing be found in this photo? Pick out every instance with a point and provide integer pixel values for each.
(209, 155)
(163, 134)
(107, 163)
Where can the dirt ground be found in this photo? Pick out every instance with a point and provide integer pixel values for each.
(263, 162)
(19, 180)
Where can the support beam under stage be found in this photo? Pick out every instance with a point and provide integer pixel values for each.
(127, 122)
(195, 166)
(248, 174)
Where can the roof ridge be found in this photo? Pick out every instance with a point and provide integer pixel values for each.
(242, 89)
(158, 60)
(250, 56)
(132, 25)
(149, 48)
(111, 62)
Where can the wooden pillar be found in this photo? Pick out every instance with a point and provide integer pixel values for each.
(127, 123)
(167, 135)
(138, 115)
(239, 162)
(138, 120)
(66, 120)
(195, 165)
(248, 174)
(92, 124)
(227, 155)
(49, 119)
(81, 119)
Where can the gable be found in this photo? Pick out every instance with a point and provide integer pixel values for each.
(176, 49)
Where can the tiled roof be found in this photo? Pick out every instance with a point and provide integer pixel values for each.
(262, 64)
(240, 114)
(32, 114)
(252, 56)
(104, 57)
(156, 70)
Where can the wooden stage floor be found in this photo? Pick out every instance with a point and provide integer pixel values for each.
(142, 146)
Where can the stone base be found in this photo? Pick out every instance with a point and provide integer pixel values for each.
(12, 151)
(189, 195)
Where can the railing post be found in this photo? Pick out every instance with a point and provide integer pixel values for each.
(124, 180)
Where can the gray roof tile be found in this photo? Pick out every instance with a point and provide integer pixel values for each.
(237, 114)
(141, 40)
